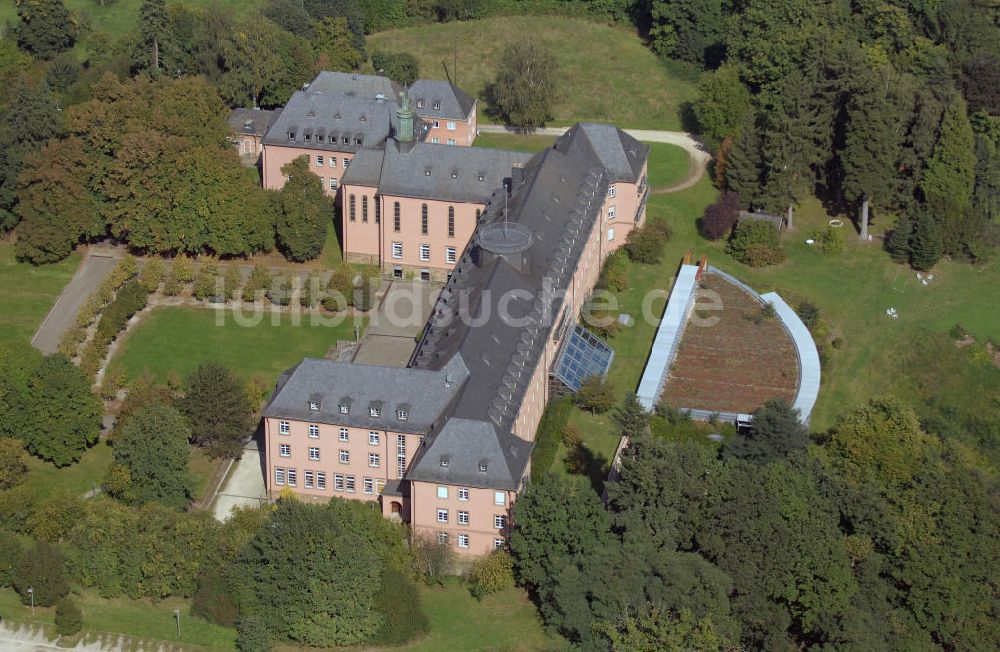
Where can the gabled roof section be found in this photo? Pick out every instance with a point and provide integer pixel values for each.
(621, 155)
(468, 446)
(433, 98)
(444, 172)
(251, 121)
(427, 394)
(365, 169)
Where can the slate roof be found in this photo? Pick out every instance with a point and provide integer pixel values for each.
(251, 121)
(621, 155)
(338, 105)
(425, 394)
(429, 171)
(432, 98)
(466, 447)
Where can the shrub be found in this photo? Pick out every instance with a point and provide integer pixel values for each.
(309, 294)
(172, 286)
(205, 281)
(614, 275)
(69, 618)
(213, 600)
(549, 434)
(257, 285)
(231, 282)
(645, 244)
(755, 243)
(131, 298)
(595, 394)
(43, 570)
(10, 556)
(280, 292)
(719, 217)
(364, 292)
(808, 313)
(830, 240)
(183, 270)
(152, 275)
(433, 560)
(767, 311)
(492, 573)
(13, 462)
(402, 616)
(16, 507)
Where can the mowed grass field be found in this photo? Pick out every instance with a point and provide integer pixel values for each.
(27, 293)
(606, 73)
(178, 339)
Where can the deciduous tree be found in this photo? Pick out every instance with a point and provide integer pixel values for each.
(64, 413)
(153, 449)
(524, 88)
(42, 569)
(304, 213)
(332, 43)
(775, 432)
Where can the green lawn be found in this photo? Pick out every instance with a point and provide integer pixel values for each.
(47, 481)
(607, 74)
(515, 142)
(28, 292)
(179, 339)
(504, 621)
(137, 618)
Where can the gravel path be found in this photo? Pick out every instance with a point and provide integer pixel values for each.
(61, 317)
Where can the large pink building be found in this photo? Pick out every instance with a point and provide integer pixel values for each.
(445, 443)
(338, 115)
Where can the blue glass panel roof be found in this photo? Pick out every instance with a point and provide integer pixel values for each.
(583, 355)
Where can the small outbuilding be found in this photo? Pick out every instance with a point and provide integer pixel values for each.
(248, 127)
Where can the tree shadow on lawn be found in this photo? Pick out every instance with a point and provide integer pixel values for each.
(580, 460)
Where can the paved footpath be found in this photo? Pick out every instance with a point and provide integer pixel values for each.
(694, 148)
(88, 277)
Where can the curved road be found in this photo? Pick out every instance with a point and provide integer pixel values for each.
(686, 141)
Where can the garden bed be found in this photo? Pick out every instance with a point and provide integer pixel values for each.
(736, 364)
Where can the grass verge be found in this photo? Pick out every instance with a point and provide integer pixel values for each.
(27, 292)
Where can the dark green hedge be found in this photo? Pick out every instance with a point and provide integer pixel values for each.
(550, 430)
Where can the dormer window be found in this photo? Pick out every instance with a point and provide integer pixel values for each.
(314, 406)
(482, 176)
(319, 138)
(454, 174)
(420, 104)
(402, 415)
(444, 461)
(308, 137)
(482, 466)
(374, 412)
(357, 141)
(427, 172)
(345, 409)
(291, 135)
(347, 141)
(363, 118)
(437, 104)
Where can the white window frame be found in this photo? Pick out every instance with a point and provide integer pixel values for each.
(369, 486)
(373, 438)
(442, 515)
(313, 431)
(283, 428)
(338, 482)
(499, 498)
(349, 483)
(499, 521)
(284, 450)
(347, 162)
(450, 125)
(463, 517)
(308, 479)
(321, 480)
(279, 476)
(450, 255)
(442, 492)
(397, 250)
(451, 141)
(437, 124)
(463, 493)
(425, 252)
(314, 453)
(374, 412)
(463, 540)
(333, 183)
(319, 160)
(374, 461)
(497, 543)
(611, 234)
(612, 190)
(291, 477)
(442, 538)
(345, 457)
(332, 161)
(345, 409)
(345, 434)
(612, 212)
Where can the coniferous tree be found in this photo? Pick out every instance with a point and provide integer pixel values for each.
(925, 243)
(951, 171)
(775, 432)
(630, 416)
(153, 50)
(46, 28)
(898, 242)
(218, 409)
(745, 163)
